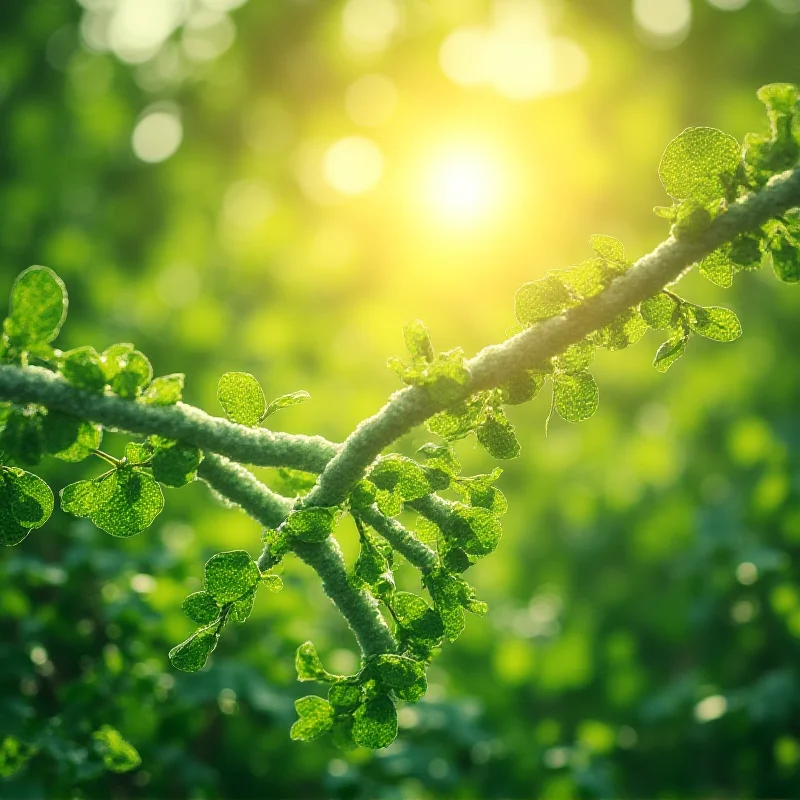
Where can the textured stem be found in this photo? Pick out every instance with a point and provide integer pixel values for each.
(495, 364)
(186, 423)
(239, 486)
(401, 539)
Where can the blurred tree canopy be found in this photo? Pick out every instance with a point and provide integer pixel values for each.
(277, 187)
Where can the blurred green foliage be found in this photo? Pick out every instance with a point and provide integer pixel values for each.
(645, 597)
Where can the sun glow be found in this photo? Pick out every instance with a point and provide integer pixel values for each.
(464, 188)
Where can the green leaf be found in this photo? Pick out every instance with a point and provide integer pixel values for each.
(713, 322)
(309, 667)
(316, 719)
(477, 530)
(69, 438)
(415, 614)
(624, 331)
(576, 357)
(400, 475)
(460, 420)
(38, 307)
(114, 359)
(201, 608)
(441, 456)
(608, 247)
(83, 368)
(456, 560)
(243, 607)
(191, 655)
(138, 452)
(375, 723)
(522, 387)
(371, 564)
(134, 375)
(418, 340)
(587, 278)
(31, 499)
(785, 254)
(669, 352)
(176, 464)
(661, 311)
(363, 495)
(14, 754)
(313, 524)
(453, 620)
(84, 497)
(165, 390)
(344, 697)
(242, 398)
(480, 492)
(342, 733)
(137, 500)
(21, 435)
(118, 754)
(274, 583)
(229, 575)
(398, 672)
(541, 299)
(285, 401)
(718, 268)
(496, 435)
(11, 532)
(699, 164)
(575, 396)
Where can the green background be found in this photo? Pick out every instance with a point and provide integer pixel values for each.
(618, 603)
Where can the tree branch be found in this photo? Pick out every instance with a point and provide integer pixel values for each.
(495, 364)
(239, 486)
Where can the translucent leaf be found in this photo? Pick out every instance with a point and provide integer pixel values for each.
(416, 615)
(38, 307)
(785, 253)
(608, 247)
(624, 331)
(453, 620)
(699, 164)
(496, 435)
(201, 608)
(285, 401)
(476, 529)
(31, 499)
(398, 672)
(745, 251)
(371, 564)
(585, 279)
(165, 390)
(118, 754)
(242, 398)
(375, 723)
(191, 655)
(344, 697)
(342, 733)
(69, 438)
(713, 322)
(14, 754)
(134, 375)
(661, 311)
(458, 421)
(416, 691)
(114, 359)
(541, 299)
(176, 464)
(316, 719)
(83, 368)
(456, 560)
(576, 357)
(11, 532)
(21, 436)
(401, 475)
(229, 575)
(363, 495)
(243, 607)
(441, 456)
(669, 352)
(522, 387)
(417, 340)
(718, 267)
(575, 396)
(314, 524)
(480, 492)
(138, 452)
(274, 583)
(137, 500)
(84, 497)
(309, 667)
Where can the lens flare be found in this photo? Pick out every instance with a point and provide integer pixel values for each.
(463, 188)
